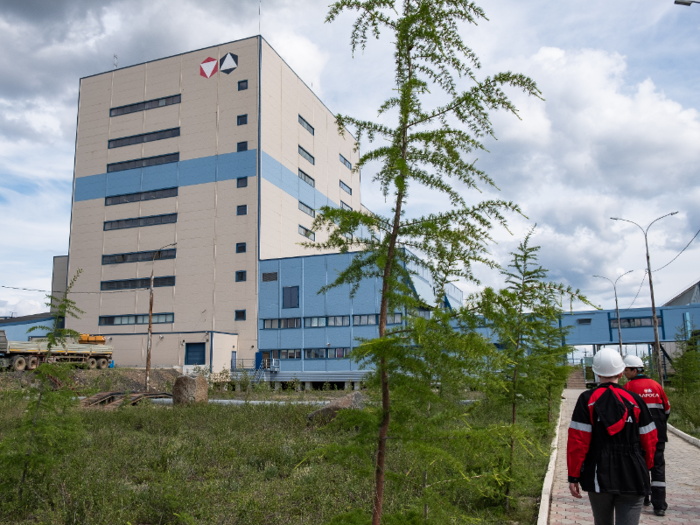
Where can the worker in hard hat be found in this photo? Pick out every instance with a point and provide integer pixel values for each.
(655, 398)
(611, 445)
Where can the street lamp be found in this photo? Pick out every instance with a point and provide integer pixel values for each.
(657, 344)
(617, 307)
(150, 316)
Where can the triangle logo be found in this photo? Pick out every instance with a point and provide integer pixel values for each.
(208, 67)
(228, 63)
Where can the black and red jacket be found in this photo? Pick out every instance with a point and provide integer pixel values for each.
(655, 398)
(612, 439)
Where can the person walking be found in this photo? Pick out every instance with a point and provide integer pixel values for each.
(655, 398)
(611, 445)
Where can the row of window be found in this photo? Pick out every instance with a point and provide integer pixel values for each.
(142, 106)
(132, 284)
(143, 163)
(334, 320)
(308, 127)
(143, 137)
(152, 255)
(141, 196)
(307, 209)
(136, 222)
(308, 156)
(116, 320)
(635, 322)
(307, 179)
(311, 353)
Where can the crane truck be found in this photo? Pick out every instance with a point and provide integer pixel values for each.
(90, 351)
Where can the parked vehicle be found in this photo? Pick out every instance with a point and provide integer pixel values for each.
(27, 355)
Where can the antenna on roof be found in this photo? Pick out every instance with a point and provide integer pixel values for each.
(259, 17)
(116, 61)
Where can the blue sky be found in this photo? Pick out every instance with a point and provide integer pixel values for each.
(617, 134)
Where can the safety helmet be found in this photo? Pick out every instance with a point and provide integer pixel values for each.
(632, 361)
(607, 363)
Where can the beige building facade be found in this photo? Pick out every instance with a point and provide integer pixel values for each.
(196, 167)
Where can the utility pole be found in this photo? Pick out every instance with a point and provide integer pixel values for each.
(657, 344)
(150, 317)
(617, 307)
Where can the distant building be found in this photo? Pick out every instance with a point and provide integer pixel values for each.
(690, 295)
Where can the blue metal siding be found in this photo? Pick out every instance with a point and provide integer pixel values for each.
(18, 331)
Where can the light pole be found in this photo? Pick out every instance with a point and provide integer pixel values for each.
(150, 316)
(617, 307)
(655, 321)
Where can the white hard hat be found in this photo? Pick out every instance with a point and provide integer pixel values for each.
(632, 361)
(607, 363)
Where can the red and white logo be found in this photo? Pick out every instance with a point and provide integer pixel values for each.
(208, 67)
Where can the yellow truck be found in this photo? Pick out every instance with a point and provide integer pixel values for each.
(90, 350)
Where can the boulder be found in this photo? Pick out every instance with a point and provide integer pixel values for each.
(190, 389)
(352, 401)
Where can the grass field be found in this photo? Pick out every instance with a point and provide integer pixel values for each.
(253, 464)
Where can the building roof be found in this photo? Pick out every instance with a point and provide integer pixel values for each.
(690, 295)
(26, 318)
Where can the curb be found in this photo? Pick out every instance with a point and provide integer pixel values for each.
(546, 496)
(684, 436)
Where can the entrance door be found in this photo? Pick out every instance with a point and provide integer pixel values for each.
(195, 354)
(266, 360)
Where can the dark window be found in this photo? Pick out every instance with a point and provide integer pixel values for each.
(241, 120)
(242, 146)
(142, 106)
(308, 180)
(240, 315)
(315, 353)
(345, 206)
(346, 162)
(141, 196)
(583, 321)
(136, 222)
(290, 354)
(240, 247)
(307, 233)
(144, 137)
(361, 320)
(155, 255)
(345, 187)
(145, 282)
(306, 155)
(240, 276)
(242, 182)
(308, 127)
(282, 324)
(290, 297)
(143, 163)
(242, 209)
(307, 209)
(115, 320)
(269, 277)
(195, 354)
(320, 322)
(635, 322)
(338, 353)
(242, 85)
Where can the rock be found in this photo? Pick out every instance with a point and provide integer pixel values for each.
(190, 389)
(352, 401)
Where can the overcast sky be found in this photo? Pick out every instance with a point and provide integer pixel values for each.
(618, 133)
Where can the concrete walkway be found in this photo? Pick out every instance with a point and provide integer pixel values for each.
(682, 481)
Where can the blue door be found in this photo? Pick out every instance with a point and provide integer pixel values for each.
(195, 354)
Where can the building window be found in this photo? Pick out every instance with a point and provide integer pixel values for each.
(290, 297)
(242, 146)
(635, 322)
(242, 182)
(307, 233)
(269, 277)
(136, 222)
(242, 85)
(290, 354)
(315, 353)
(143, 163)
(307, 209)
(585, 321)
(319, 322)
(338, 353)
(132, 284)
(144, 137)
(282, 324)
(306, 155)
(241, 120)
(141, 196)
(239, 315)
(195, 354)
(242, 209)
(240, 247)
(345, 187)
(142, 106)
(308, 180)
(362, 320)
(308, 127)
(345, 206)
(346, 162)
(240, 276)
(116, 320)
(155, 255)
(393, 319)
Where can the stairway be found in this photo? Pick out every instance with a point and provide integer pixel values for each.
(575, 379)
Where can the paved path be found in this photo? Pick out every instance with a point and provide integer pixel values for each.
(682, 482)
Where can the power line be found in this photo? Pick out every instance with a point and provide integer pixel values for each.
(61, 291)
(640, 289)
(679, 254)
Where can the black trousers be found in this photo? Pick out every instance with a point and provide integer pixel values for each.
(658, 478)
